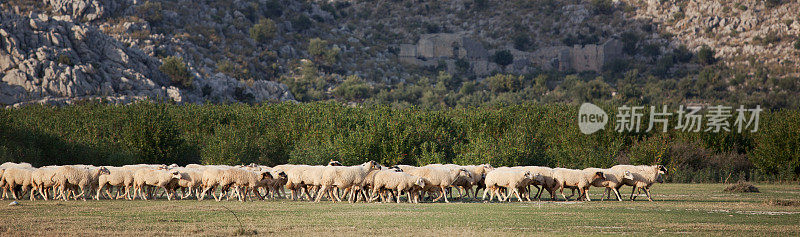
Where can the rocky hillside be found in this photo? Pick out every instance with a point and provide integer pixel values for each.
(260, 50)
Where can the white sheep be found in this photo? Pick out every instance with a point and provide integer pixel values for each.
(42, 180)
(157, 178)
(2, 183)
(345, 178)
(614, 179)
(244, 180)
(576, 179)
(396, 182)
(75, 176)
(547, 181)
(511, 179)
(437, 179)
(191, 179)
(18, 176)
(118, 177)
(643, 176)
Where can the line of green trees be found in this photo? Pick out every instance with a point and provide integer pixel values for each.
(313, 133)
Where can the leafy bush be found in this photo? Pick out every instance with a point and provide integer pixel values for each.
(604, 7)
(503, 58)
(302, 23)
(797, 44)
(64, 59)
(705, 55)
(177, 71)
(263, 31)
(352, 89)
(313, 133)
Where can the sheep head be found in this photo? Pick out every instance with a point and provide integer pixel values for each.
(396, 168)
(265, 175)
(176, 175)
(104, 170)
(528, 175)
(334, 163)
(598, 176)
(282, 175)
(420, 182)
(662, 170)
(628, 175)
(485, 168)
(372, 165)
(466, 172)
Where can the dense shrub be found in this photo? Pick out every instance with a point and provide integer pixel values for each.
(503, 58)
(263, 31)
(177, 71)
(314, 133)
(705, 55)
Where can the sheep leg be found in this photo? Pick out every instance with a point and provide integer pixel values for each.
(633, 190)
(445, 195)
(484, 193)
(516, 192)
(647, 191)
(319, 194)
(562, 193)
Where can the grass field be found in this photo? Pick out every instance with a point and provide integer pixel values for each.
(679, 209)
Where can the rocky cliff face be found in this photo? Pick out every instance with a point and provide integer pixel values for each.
(735, 29)
(47, 59)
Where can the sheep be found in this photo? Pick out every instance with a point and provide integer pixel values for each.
(576, 179)
(547, 181)
(438, 179)
(157, 178)
(17, 176)
(643, 176)
(83, 177)
(509, 178)
(273, 186)
(118, 177)
(345, 177)
(22, 165)
(244, 180)
(191, 179)
(42, 180)
(464, 183)
(211, 178)
(396, 181)
(614, 179)
(2, 183)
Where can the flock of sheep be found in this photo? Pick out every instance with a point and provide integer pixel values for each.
(367, 182)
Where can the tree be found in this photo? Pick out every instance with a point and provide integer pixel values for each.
(177, 71)
(797, 44)
(263, 31)
(503, 58)
(705, 55)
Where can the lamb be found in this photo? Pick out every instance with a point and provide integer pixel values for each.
(72, 176)
(643, 176)
(614, 179)
(118, 177)
(576, 179)
(396, 181)
(157, 178)
(438, 178)
(273, 186)
(191, 179)
(18, 176)
(547, 181)
(345, 177)
(509, 178)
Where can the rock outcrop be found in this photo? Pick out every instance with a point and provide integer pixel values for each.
(55, 60)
